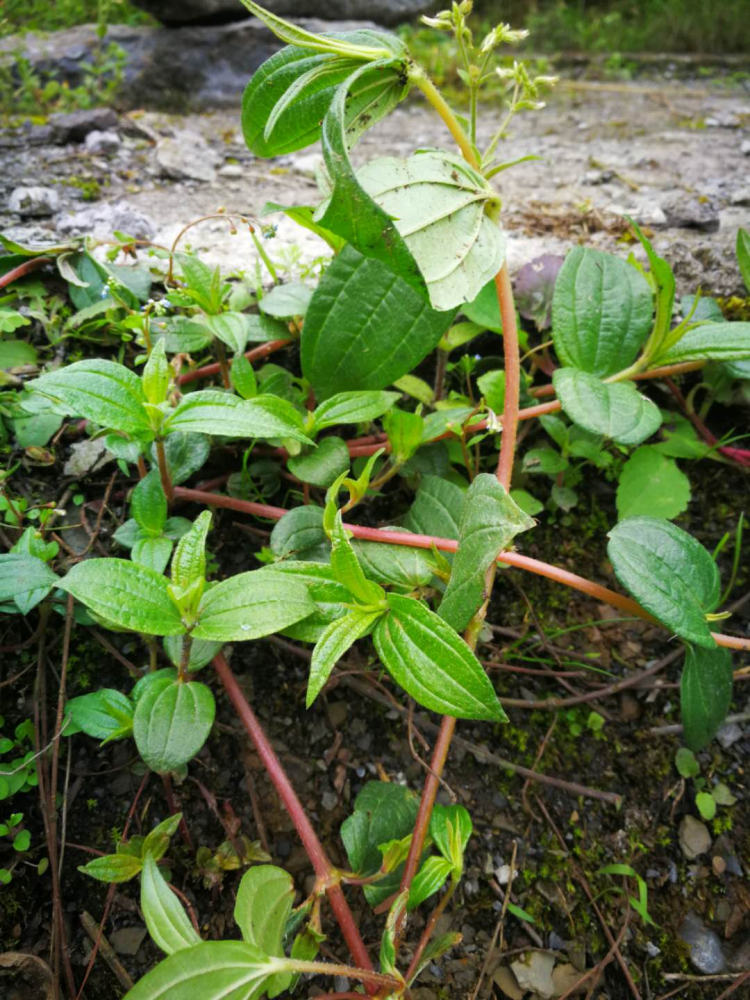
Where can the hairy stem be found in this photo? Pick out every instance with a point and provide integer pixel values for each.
(324, 870)
(512, 376)
(257, 352)
(166, 479)
(221, 354)
(441, 362)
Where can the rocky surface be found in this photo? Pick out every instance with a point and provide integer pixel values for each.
(387, 12)
(651, 155)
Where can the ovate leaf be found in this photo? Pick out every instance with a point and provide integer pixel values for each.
(490, 520)
(382, 811)
(250, 605)
(391, 330)
(436, 509)
(148, 504)
(347, 570)
(129, 596)
(186, 454)
(106, 714)
(172, 722)
(24, 578)
(394, 565)
(214, 970)
(601, 312)
(432, 663)
(167, 922)
(616, 410)
(231, 328)
(264, 903)
(153, 553)
(338, 637)
(669, 573)
(442, 209)
(112, 868)
(300, 532)
(710, 341)
(428, 880)
(705, 694)
(652, 483)
(352, 408)
(209, 411)
(323, 466)
(189, 562)
(102, 391)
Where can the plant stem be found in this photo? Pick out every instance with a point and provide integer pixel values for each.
(166, 479)
(512, 376)
(556, 573)
(430, 929)
(441, 362)
(26, 268)
(420, 79)
(333, 969)
(221, 354)
(257, 352)
(324, 870)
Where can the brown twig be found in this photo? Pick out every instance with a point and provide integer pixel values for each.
(108, 952)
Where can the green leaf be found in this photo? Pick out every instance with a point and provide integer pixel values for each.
(186, 454)
(12, 319)
(157, 841)
(172, 721)
(181, 335)
(451, 829)
(601, 312)
(442, 208)
(404, 432)
(231, 328)
(148, 504)
(300, 532)
(286, 301)
(706, 805)
(436, 949)
(616, 410)
(347, 570)
(432, 663)
(332, 599)
(189, 562)
(743, 255)
(705, 694)
(167, 922)
(490, 520)
(112, 868)
(209, 411)
(153, 553)
(264, 903)
(344, 44)
(155, 379)
(709, 341)
(369, 92)
(340, 635)
(243, 377)
(352, 408)
(686, 764)
(129, 596)
(528, 503)
(394, 565)
(214, 970)
(25, 579)
(106, 714)
(251, 605)
(492, 387)
(383, 811)
(323, 466)
(202, 651)
(436, 509)
(669, 573)
(303, 214)
(102, 391)
(661, 280)
(15, 353)
(391, 330)
(484, 310)
(428, 880)
(652, 483)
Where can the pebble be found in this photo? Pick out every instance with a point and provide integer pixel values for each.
(34, 201)
(729, 733)
(694, 837)
(741, 197)
(705, 946)
(745, 147)
(128, 940)
(652, 949)
(534, 972)
(186, 156)
(232, 170)
(102, 143)
(685, 211)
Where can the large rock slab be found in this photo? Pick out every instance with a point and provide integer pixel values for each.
(386, 12)
(171, 69)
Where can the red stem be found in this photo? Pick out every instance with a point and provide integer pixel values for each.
(325, 871)
(556, 573)
(26, 268)
(512, 376)
(214, 369)
(739, 455)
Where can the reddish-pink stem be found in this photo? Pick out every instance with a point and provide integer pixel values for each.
(257, 352)
(26, 268)
(325, 871)
(556, 573)
(512, 376)
(739, 455)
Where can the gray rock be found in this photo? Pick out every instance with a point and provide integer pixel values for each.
(741, 197)
(186, 156)
(101, 221)
(128, 940)
(686, 211)
(694, 837)
(386, 12)
(75, 126)
(533, 971)
(87, 456)
(232, 170)
(102, 143)
(705, 946)
(745, 147)
(34, 201)
(728, 735)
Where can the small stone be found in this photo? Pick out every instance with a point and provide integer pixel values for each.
(741, 197)
(34, 201)
(630, 706)
(745, 147)
(75, 126)
(128, 940)
(329, 801)
(232, 170)
(685, 211)
(87, 456)
(565, 977)
(705, 947)
(719, 865)
(728, 735)
(507, 982)
(102, 143)
(556, 942)
(652, 949)
(694, 837)
(101, 221)
(502, 874)
(534, 972)
(337, 712)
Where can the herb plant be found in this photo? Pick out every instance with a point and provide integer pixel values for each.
(418, 266)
